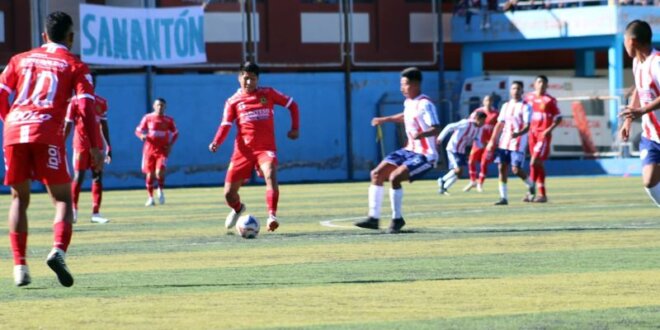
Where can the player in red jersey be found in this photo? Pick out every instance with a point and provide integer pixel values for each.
(158, 133)
(82, 159)
(478, 153)
(43, 79)
(545, 118)
(252, 109)
(645, 102)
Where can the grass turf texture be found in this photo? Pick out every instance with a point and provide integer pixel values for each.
(588, 259)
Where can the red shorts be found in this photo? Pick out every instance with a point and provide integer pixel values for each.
(480, 155)
(539, 146)
(42, 162)
(242, 163)
(152, 162)
(82, 160)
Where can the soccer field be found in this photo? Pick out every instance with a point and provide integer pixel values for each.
(588, 259)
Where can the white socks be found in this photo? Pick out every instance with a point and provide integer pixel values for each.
(654, 193)
(504, 193)
(449, 179)
(396, 197)
(375, 200)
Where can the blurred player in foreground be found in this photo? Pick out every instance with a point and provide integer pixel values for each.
(251, 107)
(82, 159)
(465, 132)
(645, 102)
(510, 136)
(43, 80)
(158, 132)
(478, 153)
(545, 118)
(409, 163)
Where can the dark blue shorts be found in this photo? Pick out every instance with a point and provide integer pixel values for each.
(649, 152)
(515, 158)
(417, 164)
(456, 160)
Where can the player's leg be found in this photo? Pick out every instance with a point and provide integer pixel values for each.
(651, 178)
(475, 155)
(81, 160)
(51, 170)
(18, 230)
(161, 170)
(379, 175)
(149, 170)
(240, 168)
(542, 151)
(267, 165)
(456, 161)
(18, 164)
(503, 161)
(60, 194)
(97, 197)
(484, 160)
(414, 167)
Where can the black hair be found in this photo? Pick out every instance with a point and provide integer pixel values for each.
(542, 77)
(161, 100)
(58, 25)
(250, 67)
(480, 115)
(412, 73)
(640, 31)
(519, 83)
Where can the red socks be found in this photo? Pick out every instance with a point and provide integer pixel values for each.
(150, 186)
(472, 169)
(75, 193)
(97, 194)
(235, 206)
(537, 175)
(161, 183)
(62, 232)
(18, 246)
(272, 197)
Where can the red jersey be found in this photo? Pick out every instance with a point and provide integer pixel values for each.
(489, 124)
(544, 111)
(80, 140)
(160, 131)
(44, 79)
(253, 114)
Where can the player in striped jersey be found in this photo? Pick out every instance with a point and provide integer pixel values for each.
(466, 132)
(645, 102)
(513, 124)
(409, 163)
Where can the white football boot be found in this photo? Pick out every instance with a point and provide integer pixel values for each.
(272, 223)
(98, 218)
(161, 196)
(233, 216)
(22, 275)
(150, 202)
(469, 186)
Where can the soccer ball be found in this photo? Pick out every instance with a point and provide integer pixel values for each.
(248, 226)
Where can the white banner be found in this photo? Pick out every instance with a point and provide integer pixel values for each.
(139, 36)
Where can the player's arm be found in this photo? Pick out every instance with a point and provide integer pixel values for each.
(8, 82)
(477, 138)
(228, 117)
(497, 130)
(84, 93)
(627, 122)
(175, 135)
(398, 118)
(141, 130)
(291, 105)
(430, 118)
(105, 131)
(69, 119)
(556, 121)
(448, 129)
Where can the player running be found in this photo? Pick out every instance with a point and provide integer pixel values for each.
(158, 132)
(43, 79)
(251, 107)
(545, 118)
(465, 133)
(480, 154)
(645, 102)
(511, 132)
(409, 163)
(82, 159)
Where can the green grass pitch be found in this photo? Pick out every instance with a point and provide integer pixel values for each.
(589, 259)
